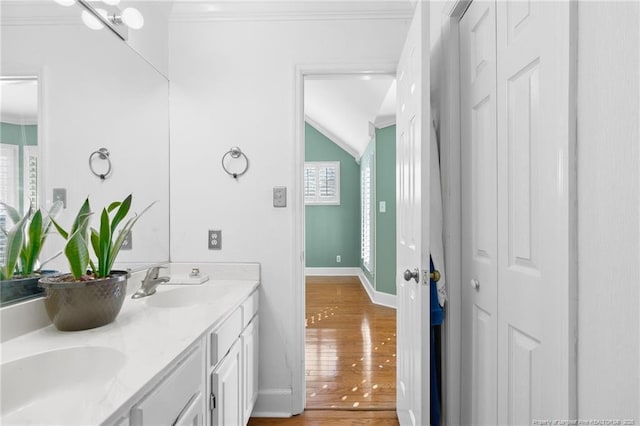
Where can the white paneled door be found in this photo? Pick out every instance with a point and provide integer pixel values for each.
(518, 355)
(412, 151)
(479, 213)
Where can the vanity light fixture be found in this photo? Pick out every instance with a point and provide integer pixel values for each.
(118, 21)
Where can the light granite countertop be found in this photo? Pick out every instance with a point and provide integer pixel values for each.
(129, 353)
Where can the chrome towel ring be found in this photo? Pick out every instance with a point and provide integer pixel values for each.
(235, 153)
(103, 154)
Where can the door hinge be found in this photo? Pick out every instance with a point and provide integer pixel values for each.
(212, 402)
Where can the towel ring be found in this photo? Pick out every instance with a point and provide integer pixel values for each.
(235, 153)
(103, 154)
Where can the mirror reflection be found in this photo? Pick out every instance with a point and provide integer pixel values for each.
(84, 90)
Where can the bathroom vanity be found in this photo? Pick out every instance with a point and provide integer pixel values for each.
(186, 355)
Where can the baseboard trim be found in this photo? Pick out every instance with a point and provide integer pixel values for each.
(273, 403)
(331, 272)
(377, 297)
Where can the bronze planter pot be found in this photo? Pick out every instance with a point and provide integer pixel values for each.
(74, 306)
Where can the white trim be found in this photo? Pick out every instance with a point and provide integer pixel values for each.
(331, 272)
(377, 297)
(449, 127)
(332, 137)
(298, 344)
(273, 403)
(385, 121)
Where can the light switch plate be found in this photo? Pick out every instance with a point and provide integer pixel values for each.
(215, 240)
(383, 206)
(280, 196)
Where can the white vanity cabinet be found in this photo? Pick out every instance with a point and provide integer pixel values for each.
(233, 366)
(177, 399)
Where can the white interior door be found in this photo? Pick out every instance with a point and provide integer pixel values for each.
(479, 214)
(412, 157)
(535, 341)
(518, 329)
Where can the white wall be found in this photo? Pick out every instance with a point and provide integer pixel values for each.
(97, 92)
(233, 83)
(608, 196)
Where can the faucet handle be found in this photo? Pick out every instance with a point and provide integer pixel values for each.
(153, 272)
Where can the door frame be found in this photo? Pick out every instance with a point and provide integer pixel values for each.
(297, 201)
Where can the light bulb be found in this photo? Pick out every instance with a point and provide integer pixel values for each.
(112, 2)
(91, 21)
(65, 2)
(132, 18)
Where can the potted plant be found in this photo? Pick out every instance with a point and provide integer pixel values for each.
(21, 268)
(92, 294)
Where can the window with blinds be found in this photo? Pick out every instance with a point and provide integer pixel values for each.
(367, 213)
(322, 182)
(8, 187)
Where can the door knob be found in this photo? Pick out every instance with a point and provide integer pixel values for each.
(435, 275)
(475, 284)
(412, 274)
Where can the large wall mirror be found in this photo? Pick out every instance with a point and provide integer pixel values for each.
(68, 91)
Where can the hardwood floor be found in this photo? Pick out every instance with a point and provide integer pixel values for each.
(350, 357)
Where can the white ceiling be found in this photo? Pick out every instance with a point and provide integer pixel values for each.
(342, 108)
(19, 101)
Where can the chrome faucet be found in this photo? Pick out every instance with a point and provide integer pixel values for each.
(150, 282)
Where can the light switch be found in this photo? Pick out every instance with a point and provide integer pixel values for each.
(383, 206)
(280, 196)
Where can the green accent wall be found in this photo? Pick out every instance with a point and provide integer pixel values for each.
(333, 230)
(385, 240)
(21, 135)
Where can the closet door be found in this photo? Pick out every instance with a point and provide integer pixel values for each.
(479, 214)
(534, 338)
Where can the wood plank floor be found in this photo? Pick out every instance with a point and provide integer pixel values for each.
(350, 357)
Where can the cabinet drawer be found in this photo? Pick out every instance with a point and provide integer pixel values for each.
(222, 338)
(249, 308)
(165, 403)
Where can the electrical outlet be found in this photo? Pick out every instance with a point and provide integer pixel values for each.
(215, 240)
(338, 258)
(127, 243)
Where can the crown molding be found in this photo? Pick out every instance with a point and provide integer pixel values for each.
(384, 121)
(291, 15)
(332, 136)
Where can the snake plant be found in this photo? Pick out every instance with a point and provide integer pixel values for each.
(25, 240)
(105, 246)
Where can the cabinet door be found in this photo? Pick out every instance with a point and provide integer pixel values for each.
(250, 367)
(192, 414)
(226, 397)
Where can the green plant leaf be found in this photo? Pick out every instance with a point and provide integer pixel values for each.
(105, 244)
(95, 242)
(113, 206)
(13, 247)
(79, 222)
(115, 247)
(12, 212)
(77, 254)
(55, 209)
(63, 233)
(121, 213)
(33, 245)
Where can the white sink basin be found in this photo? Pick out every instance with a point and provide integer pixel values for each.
(60, 376)
(184, 296)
